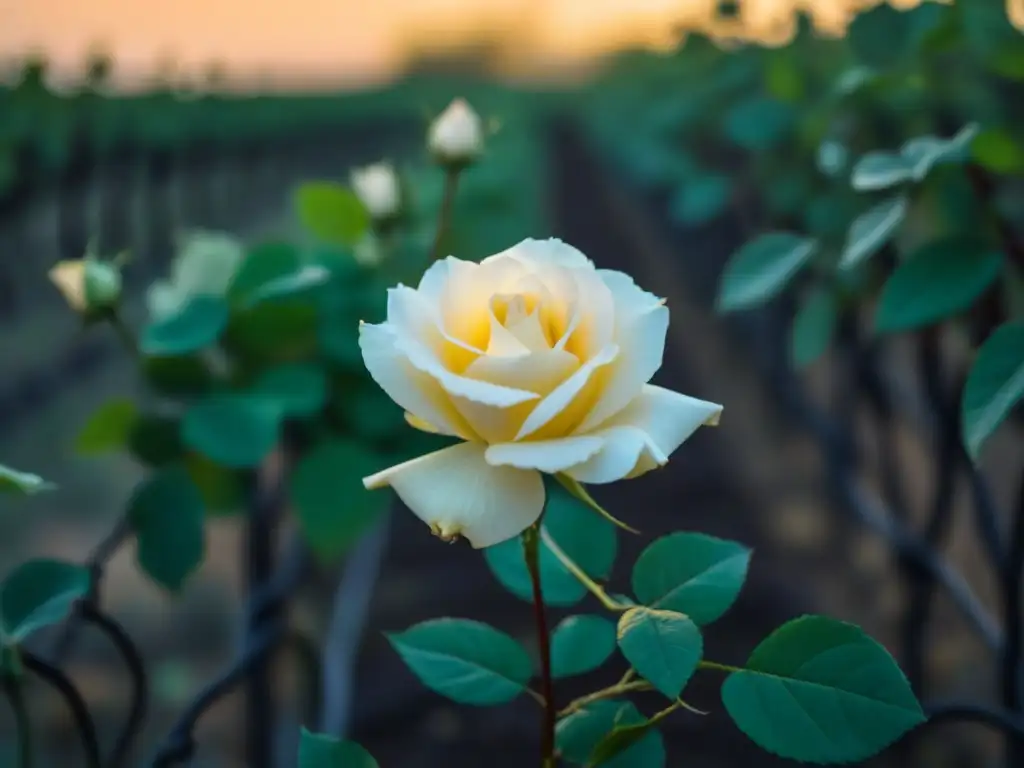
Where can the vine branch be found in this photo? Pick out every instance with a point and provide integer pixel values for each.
(16, 696)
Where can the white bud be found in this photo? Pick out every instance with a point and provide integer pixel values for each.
(87, 284)
(377, 187)
(456, 136)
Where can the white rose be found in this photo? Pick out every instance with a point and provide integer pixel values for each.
(377, 187)
(541, 364)
(456, 136)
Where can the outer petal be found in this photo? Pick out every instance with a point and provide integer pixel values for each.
(412, 389)
(545, 455)
(434, 280)
(550, 251)
(621, 451)
(643, 435)
(457, 493)
(413, 316)
(69, 278)
(641, 337)
(629, 297)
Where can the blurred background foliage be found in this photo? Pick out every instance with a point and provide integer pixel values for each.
(717, 140)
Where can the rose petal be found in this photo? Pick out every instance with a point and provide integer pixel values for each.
(643, 435)
(456, 492)
(419, 338)
(465, 303)
(550, 251)
(434, 280)
(461, 386)
(548, 456)
(413, 390)
(539, 372)
(69, 278)
(503, 342)
(628, 296)
(563, 395)
(641, 337)
(595, 328)
(422, 425)
(413, 316)
(621, 450)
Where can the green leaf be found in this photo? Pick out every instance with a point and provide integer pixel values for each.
(299, 285)
(821, 691)
(828, 215)
(177, 376)
(332, 212)
(999, 152)
(167, 513)
(925, 152)
(578, 736)
(338, 339)
(371, 414)
(24, 483)
(589, 540)
(155, 440)
(467, 661)
(222, 489)
(872, 230)
(109, 428)
(298, 389)
(38, 593)
(990, 35)
(691, 573)
(813, 327)
(994, 385)
(263, 264)
(759, 124)
(275, 331)
(663, 646)
(196, 325)
(880, 37)
(761, 268)
(234, 430)
(621, 738)
(940, 279)
(326, 488)
(580, 644)
(318, 750)
(700, 199)
(880, 170)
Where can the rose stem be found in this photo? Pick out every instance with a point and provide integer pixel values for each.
(531, 549)
(444, 219)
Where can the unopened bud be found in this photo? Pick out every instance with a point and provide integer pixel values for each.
(377, 188)
(456, 137)
(88, 285)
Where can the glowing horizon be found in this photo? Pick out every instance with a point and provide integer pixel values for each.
(350, 42)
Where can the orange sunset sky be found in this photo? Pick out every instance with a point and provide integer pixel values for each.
(361, 41)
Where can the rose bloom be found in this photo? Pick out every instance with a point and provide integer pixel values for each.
(538, 361)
